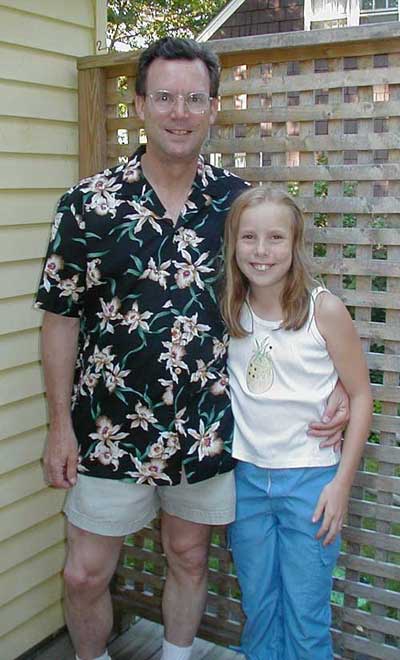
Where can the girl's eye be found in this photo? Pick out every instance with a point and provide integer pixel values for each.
(248, 236)
(277, 236)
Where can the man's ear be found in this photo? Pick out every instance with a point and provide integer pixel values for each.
(213, 110)
(139, 106)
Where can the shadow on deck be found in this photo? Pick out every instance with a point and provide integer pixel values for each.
(142, 641)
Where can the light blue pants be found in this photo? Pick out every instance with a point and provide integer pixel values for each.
(284, 572)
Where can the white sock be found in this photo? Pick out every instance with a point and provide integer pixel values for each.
(105, 656)
(173, 652)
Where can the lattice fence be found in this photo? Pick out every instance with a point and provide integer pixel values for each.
(318, 114)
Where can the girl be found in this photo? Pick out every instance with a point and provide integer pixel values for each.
(290, 341)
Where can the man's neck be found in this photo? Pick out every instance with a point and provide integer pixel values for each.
(172, 181)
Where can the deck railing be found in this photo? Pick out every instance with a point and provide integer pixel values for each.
(316, 113)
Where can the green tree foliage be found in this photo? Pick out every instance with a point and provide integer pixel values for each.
(136, 23)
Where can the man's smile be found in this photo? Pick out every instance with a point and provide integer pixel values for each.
(177, 131)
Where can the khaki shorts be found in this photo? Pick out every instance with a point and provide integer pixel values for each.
(115, 508)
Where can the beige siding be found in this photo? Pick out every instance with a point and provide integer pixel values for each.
(39, 43)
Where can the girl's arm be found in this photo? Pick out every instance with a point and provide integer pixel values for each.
(344, 347)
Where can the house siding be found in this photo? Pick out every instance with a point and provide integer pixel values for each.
(263, 17)
(40, 41)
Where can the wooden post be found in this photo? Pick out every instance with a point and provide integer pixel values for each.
(92, 121)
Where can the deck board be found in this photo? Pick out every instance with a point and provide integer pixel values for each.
(142, 641)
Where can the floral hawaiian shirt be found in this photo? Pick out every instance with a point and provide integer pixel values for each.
(150, 391)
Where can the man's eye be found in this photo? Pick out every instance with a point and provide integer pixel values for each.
(162, 97)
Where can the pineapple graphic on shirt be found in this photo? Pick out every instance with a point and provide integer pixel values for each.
(260, 371)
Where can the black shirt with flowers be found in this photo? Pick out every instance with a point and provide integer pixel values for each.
(150, 391)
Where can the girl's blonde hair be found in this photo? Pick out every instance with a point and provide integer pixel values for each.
(295, 298)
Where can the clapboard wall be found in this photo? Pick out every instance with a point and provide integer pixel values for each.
(40, 41)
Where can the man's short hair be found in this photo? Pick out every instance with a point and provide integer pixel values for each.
(170, 48)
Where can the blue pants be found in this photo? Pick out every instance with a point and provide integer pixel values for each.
(284, 572)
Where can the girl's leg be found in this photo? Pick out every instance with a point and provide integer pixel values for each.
(253, 539)
(306, 567)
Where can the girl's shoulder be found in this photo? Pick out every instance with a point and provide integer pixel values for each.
(330, 312)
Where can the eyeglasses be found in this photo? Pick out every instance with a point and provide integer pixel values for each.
(164, 101)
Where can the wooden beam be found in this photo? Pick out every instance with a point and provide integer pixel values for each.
(282, 46)
(92, 121)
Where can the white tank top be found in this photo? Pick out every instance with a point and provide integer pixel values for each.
(280, 381)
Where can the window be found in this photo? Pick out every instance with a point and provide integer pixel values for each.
(266, 129)
(266, 101)
(293, 158)
(265, 159)
(240, 102)
(321, 96)
(240, 130)
(216, 160)
(350, 94)
(293, 98)
(266, 71)
(381, 61)
(122, 136)
(381, 156)
(381, 188)
(293, 68)
(378, 11)
(350, 157)
(321, 65)
(380, 125)
(377, 5)
(380, 93)
(293, 128)
(240, 72)
(350, 63)
(328, 24)
(321, 127)
(350, 126)
(240, 159)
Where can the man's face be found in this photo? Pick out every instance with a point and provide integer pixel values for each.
(178, 134)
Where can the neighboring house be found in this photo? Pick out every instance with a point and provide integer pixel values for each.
(242, 18)
(40, 41)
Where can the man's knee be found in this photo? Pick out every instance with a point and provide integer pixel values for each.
(84, 580)
(187, 554)
(91, 561)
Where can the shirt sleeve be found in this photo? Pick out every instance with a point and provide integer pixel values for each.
(63, 281)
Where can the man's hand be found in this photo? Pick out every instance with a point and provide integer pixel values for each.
(332, 504)
(60, 458)
(334, 420)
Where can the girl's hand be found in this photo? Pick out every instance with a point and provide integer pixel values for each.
(332, 503)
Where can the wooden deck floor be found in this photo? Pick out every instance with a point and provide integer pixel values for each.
(142, 641)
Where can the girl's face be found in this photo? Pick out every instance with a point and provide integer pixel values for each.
(264, 246)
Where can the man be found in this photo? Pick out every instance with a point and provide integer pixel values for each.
(132, 328)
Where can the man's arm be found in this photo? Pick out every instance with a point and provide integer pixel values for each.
(59, 349)
(335, 419)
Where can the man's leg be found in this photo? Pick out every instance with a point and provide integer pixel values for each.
(91, 562)
(186, 546)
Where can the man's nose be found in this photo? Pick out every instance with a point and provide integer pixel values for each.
(179, 108)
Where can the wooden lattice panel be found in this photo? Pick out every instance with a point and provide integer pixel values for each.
(319, 117)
